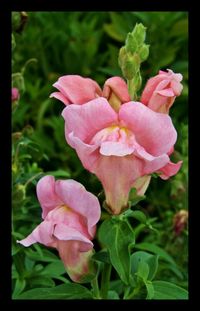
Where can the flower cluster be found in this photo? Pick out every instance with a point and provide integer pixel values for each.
(122, 142)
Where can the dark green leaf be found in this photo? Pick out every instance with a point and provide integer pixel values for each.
(134, 198)
(64, 291)
(166, 290)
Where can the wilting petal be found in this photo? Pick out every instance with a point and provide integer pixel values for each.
(43, 234)
(170, 169)
(153, 131)
(76, 260)
(74, 195)
(141, 184)
(46, 194)
(76, 89)
(85, 120)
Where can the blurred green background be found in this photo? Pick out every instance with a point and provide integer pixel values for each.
(47, 46)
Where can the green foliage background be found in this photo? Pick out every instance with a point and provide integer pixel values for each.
(87, 43)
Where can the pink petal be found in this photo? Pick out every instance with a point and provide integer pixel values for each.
(150, 88)
(84, 121)
(170, 169)
(66, 233)
(43, 234)
(77, 90)
(75, 196)
(61, 97)
(153, 131)
(46, 194)
(109, 148)
(117, 174)
(166, 92)
(119, 87)
(88, 154)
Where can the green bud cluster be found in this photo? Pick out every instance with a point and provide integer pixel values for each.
(131, 56)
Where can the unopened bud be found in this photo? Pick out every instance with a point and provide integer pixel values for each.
(131, 43)
(139, 33)
(180, 221)
(144, 52)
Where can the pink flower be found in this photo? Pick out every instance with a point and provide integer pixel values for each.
(122, 148)
(161, 91)
(15, 94)
(74, 89)
(70, 214)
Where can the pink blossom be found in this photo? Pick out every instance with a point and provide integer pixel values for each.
(121, 147)
(161, 91)
(70, 214)
(15, 94)
(74, 89)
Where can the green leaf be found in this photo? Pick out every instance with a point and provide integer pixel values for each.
(134, 198)
(117, 286)
(117, 236)
(64, 291)
(140, 216)
(150, 290)
(41, 281)
(102, 255)
(54, 269)
(112, 295)
(167, 290)
(143, 270)
(45, 255)
(150, 260)
(19, 287)
(156, 250)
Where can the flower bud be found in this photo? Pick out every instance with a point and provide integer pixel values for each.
(139, 33)
(131, 43)
(144, 52)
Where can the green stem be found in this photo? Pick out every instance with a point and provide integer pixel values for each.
(131, 89)
(95, 287)
(105, 279)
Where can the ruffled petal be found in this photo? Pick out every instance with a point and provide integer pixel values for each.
(86, 120)
(153, 131)
(75, 196)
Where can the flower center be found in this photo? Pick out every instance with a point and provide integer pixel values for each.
(114, 133)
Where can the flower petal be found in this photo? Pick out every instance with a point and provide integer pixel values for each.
(111, 148)
(153, 131)
(75, 258)
(170, 169)
(61, 97)
(66, 233)
(43, 234)
(75, 196)
(46, 194)
(88, 154)
(85, 120)
(119, 87)
(77, 90)
(117, 174)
